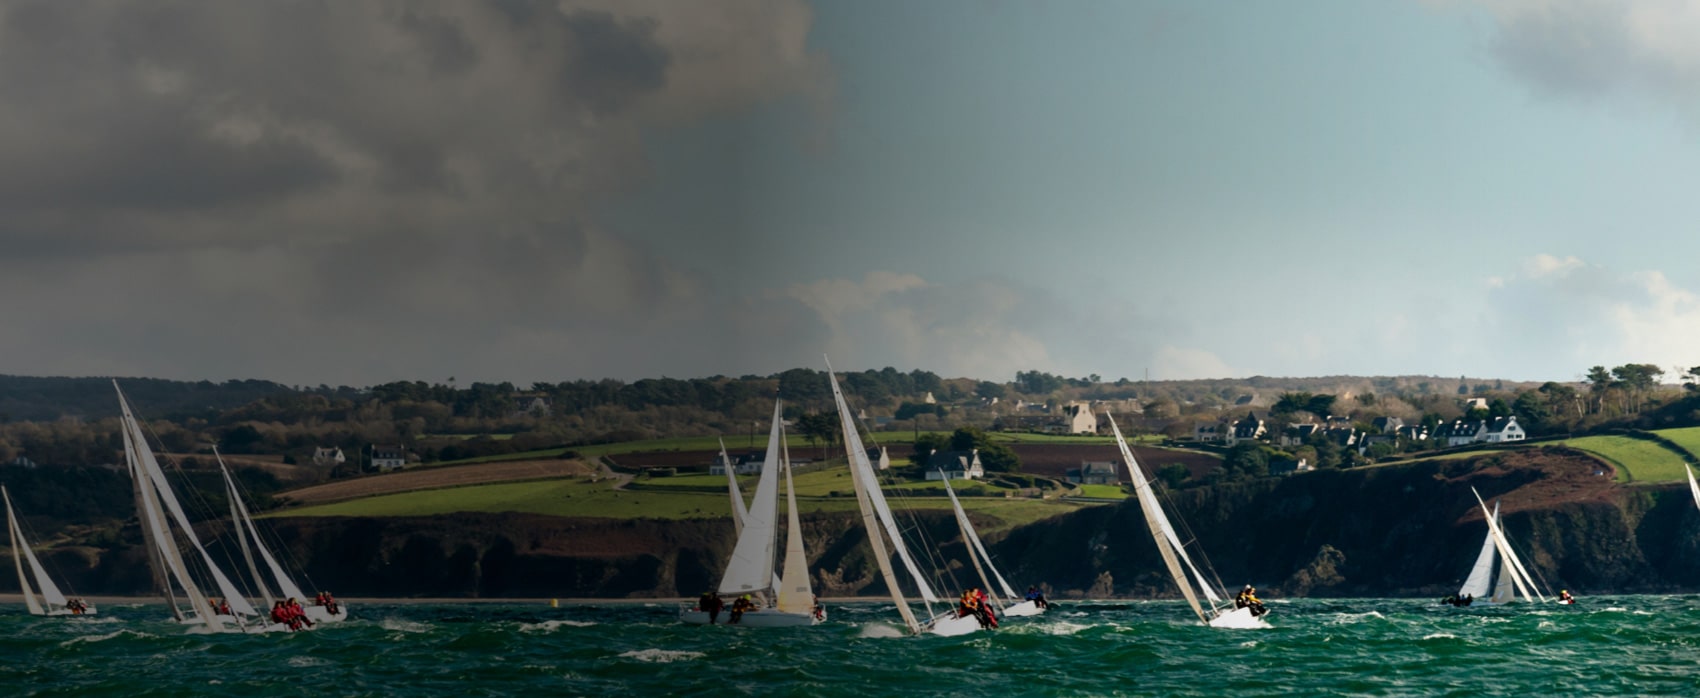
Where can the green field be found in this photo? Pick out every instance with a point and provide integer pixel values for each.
(576, 497)
(1688, 438)
(900, 443)
(1102, 491)
(1637, 460)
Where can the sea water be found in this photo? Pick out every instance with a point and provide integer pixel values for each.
(1624, 645)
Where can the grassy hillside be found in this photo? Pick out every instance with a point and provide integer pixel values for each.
(1688, 438)
(583, 498)
(1637, 460)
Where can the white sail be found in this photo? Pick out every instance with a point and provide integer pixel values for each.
(739, 511)
(1505, 591)
(1513, 566)
(969, 540)
(18, 545)
(751, 568)
(973, 537)
(1156, 521)
(1693, 487)
(143, 468)
(150, 467)
(1481, 575)
(154, 526)
(286, 587)
(796, 594)
(867, 485)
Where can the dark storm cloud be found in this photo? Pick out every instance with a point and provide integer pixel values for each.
(356, 191)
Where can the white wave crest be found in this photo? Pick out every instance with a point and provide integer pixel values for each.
(1345, 618)
(661, 656)
(1440, 636)
(101, 638)
(550, 626)
(879, 630)
(404, 626)
(1062, 628)
(307, 661)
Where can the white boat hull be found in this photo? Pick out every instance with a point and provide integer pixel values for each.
(764, 618)
(320, 614)
(950, 625)
(66, 612)
(1238, 619)
(1023, 609)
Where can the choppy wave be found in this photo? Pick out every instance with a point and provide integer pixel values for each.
(1631, 645)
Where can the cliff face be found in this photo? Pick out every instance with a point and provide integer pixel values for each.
(1397, 530)
(1411, 530)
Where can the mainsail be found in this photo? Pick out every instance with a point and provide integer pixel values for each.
(285, 585)
(751, 568)
(20, 545)
(1167, 545)
(867, 494)
(1481, 575)
(1693, 487)
(973, 540)
(796, 595)
(1512, 565)
(739, 511)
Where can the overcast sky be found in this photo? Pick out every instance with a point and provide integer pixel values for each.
(358, 192)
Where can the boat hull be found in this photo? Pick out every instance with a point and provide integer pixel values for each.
(1023, 609)
(949, 625)
(67, 612)
(1238, 619)
(320, 614)
(765, 618)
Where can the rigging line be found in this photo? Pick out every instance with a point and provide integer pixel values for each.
(914, 529)
(199, 500)
(1188, 537)
(279, 549)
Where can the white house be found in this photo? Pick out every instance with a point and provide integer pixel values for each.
(1249, 429)
(387, 458)
(1209, 433)
(1299, 434)
(747, 464)
(1459, 432)
(958, 465)
(1504, 429)
(1080, 418)
(328, 456)
(880, 459)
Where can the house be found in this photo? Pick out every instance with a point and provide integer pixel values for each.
(743, 464)
(387, 458)
(22, 462)
(1210, 433)
(958, 465)
(1459, 432)
(1299, 434)
(878, 457)
(1503, 429)
(1289, 466)
(1249, 429)
(929, 399)
(1475, 403)
(1095, 473)
(1074, 418)
(1079, 419)
(1414, 432)
(1387, 425)
(328, 456)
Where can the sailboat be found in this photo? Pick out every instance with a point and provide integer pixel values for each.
(1514, 580)
(285, 585)
(1011, 606)
(52, 601)
(1222, 614)
(785, 599)
(877, 517)
(154, 502)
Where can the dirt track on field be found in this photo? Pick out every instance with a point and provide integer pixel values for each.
(435, 478)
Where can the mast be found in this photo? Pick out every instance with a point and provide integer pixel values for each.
(1154, 520)
(864, 501)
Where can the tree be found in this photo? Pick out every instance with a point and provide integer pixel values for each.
(1690, 380)
(1289, 403)
(989, 390)
(994, 456)
(1320, 405)
(818, 427)
(1173, 474)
